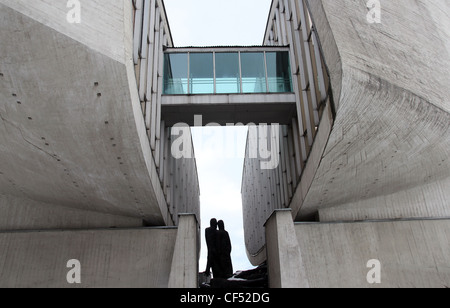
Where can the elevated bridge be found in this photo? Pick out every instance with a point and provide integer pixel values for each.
(228, 85)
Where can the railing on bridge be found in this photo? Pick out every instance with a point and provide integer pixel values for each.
(226, 70)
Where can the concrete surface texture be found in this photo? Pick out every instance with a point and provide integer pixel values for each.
(111, 258)
(411, 254)
(73, 135)
(177, 177)
(108, 258)
(184, 270)
(67, 112)
(371, 254)
(387, 156)
(84, 144)
(303, 136)
(380, 148)
(286, 268)
(77, 150)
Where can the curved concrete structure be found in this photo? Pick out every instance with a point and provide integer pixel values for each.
(380, 150)
(107, 258)
(387, 156)
(80, 150)
(73, 135)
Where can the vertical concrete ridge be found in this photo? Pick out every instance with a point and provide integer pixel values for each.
(286, 268)
(185, 267)
(140, 126)
(328, 47)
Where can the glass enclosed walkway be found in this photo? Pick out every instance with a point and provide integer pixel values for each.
(227, 84)
(227, 71)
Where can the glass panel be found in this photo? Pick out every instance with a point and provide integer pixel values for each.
(253, 72)
(278, 72)
(227, 73)
(176, 73)
(201, 73)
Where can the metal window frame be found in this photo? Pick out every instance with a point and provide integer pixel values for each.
(188, 73)
(265, 72)
(240, 73)
(214, 72)
(226, 49)
(239, 50)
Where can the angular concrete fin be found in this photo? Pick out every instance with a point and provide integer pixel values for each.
(286, 268)
(184, 271)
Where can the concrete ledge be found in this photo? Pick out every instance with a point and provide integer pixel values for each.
(108, 258)
(228, 99)
(19, 213)
(69, 105)
(411, 253)
(229, 108)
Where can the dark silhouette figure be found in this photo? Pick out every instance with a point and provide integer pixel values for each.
(211, 242)
(223, 250)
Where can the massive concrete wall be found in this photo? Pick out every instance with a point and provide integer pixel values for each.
(380, 149)
(412, 254)
(108, 258)
(74, 136)
(371, 254)
(117, 258)
(387, 156)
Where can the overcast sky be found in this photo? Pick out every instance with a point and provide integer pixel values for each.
(220, 151)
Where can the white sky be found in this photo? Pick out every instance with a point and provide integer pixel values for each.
(220, 151)
(217, 22)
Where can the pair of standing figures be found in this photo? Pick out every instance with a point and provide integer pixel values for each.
(219, 251)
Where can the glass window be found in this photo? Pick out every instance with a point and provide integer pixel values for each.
(227, 73)
(278, 72)
(193, 73)
(201, 79)
(176, 73)
(253, 72)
